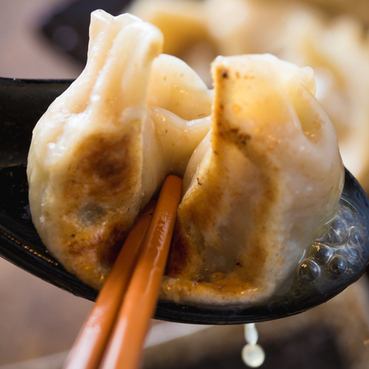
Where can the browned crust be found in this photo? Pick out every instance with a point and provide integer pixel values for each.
(95, 220)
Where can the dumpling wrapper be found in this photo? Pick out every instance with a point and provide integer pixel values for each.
(104, 146)
(259, 188)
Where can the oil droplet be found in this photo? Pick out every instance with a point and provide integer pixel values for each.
(253, 355)
(251, 334)
(309, 270)
(321, 253)
(337, 265)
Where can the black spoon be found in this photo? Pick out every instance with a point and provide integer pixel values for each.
(333, 262)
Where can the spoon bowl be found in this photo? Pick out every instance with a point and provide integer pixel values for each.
(332, 263)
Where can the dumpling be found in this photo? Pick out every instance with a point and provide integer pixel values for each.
(96, 157)
(261, 167)
(340, 57)
(259, 188)
(337, 49)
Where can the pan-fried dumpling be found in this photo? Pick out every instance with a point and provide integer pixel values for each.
(259, 188)
(104, 146)
(337, 49)
(262, 173)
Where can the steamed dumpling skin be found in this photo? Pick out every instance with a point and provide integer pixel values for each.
(263, 183)
(97, 156)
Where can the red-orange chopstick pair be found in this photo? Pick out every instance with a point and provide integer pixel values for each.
(114, 333)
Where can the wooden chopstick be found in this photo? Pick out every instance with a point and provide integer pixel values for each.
(90, 344)
(124, 349)
(130, 292)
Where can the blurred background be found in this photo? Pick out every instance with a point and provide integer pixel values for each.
(48, 39)
(24, 52)
(36, 318)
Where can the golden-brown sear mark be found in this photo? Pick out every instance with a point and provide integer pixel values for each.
(98, 182)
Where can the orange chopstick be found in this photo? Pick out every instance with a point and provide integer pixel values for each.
(91, 342)
(127, 339)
